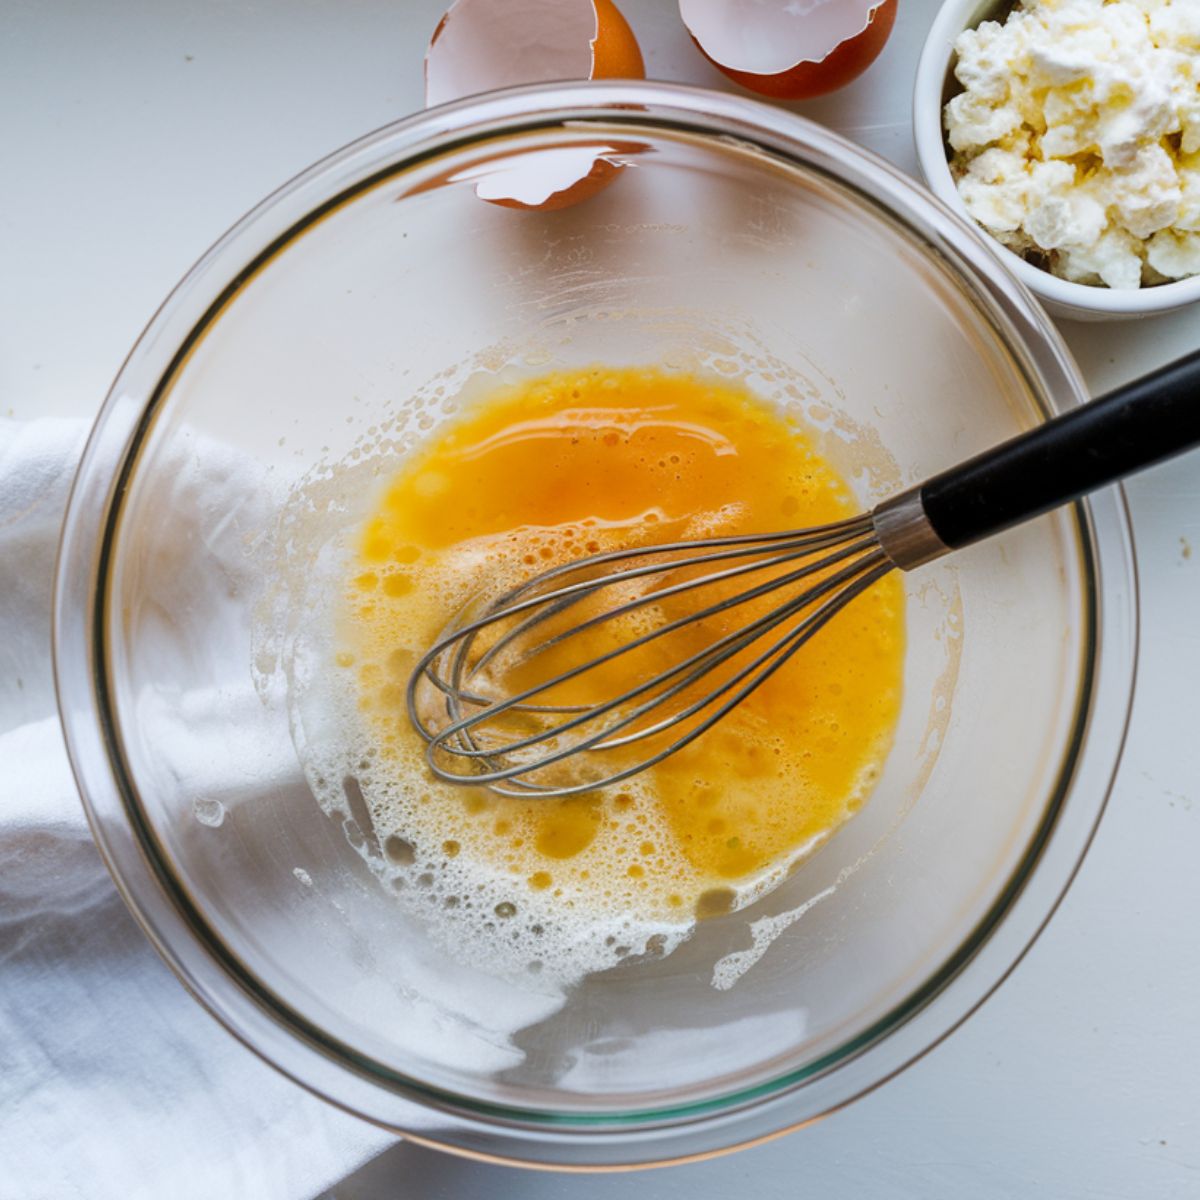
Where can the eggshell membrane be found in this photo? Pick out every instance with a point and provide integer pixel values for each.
(481, 45)
(788, 54)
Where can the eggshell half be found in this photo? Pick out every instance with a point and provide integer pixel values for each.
(793, 50)
(481, 45)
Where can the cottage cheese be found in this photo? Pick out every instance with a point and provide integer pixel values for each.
(1076, 139)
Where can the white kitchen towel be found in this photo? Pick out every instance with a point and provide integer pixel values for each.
(113, 1081)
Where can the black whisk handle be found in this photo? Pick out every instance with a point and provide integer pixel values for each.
(1124, 431)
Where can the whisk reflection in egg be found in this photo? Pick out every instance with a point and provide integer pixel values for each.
(491, 720)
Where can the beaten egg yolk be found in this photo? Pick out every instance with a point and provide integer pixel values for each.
(570, 465)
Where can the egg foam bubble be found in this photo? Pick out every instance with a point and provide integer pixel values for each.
(535, 475)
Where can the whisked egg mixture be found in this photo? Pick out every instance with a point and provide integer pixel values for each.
(541, 473)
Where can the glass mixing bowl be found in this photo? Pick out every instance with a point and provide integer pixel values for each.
(250, 431)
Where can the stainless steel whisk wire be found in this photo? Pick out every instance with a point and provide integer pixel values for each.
(845, 540)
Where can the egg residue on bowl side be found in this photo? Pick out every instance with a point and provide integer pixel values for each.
(551, 470)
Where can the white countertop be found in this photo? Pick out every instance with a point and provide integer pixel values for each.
(133, 134)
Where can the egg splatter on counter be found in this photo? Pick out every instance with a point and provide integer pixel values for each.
(542, 473)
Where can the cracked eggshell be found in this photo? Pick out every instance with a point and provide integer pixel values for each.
(481, 45)
(792, 50)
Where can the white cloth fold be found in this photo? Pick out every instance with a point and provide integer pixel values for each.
(113, 1081)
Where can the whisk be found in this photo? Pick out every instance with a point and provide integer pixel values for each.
(492, 696)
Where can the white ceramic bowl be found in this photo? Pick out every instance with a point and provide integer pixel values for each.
(935, 85)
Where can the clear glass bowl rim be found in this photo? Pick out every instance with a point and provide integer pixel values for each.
(159, 901)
